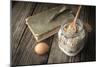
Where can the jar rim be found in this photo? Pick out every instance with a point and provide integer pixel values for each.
(80, 28)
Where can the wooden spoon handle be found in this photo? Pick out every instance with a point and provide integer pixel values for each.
(74, 21)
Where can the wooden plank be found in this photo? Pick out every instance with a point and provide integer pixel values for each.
(56, 55)
(25, 54)
(19, 13)
(88, 52)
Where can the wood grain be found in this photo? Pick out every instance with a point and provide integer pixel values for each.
(19, 13)
(27, 43)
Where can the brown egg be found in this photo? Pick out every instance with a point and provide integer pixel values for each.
(41, 48)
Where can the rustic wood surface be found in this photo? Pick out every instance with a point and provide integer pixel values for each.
(23, 42)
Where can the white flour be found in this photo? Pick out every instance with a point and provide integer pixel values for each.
(71, 42)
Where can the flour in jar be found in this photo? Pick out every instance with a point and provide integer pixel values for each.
(71, 41)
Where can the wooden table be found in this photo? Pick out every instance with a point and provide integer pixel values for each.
(23, 42)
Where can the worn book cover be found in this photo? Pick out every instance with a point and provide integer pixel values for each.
(47, 23)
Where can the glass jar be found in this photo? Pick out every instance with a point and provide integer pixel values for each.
(72, 43)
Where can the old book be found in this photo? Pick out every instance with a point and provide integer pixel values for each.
(47, 23)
